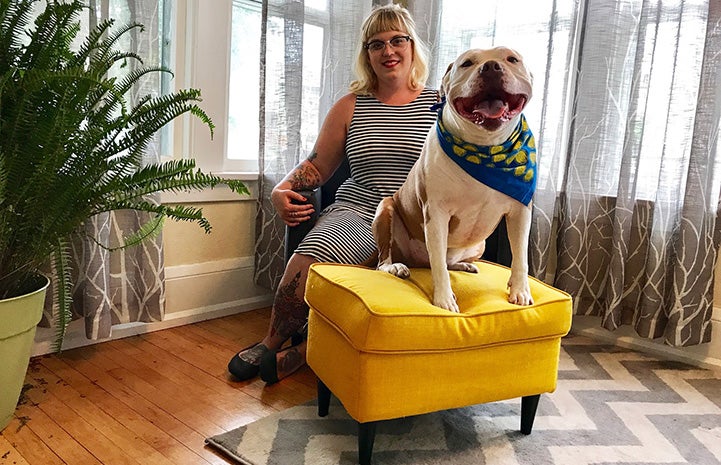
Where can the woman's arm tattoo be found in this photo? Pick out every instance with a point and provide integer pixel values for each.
(304, 176)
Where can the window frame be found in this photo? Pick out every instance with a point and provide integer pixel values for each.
(200, 59)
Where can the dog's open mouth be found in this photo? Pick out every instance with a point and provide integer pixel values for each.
(490, 109)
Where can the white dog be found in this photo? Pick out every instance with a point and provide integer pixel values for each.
(441, 216)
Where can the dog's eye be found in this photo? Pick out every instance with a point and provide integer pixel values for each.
(466, 64)
(512, 59)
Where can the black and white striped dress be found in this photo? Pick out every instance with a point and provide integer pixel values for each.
(382, 144)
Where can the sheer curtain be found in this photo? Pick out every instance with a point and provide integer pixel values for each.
(127, 285)
(626, 115)
(306, 54)
(638, 205)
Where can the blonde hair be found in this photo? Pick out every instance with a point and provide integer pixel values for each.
(391, 17)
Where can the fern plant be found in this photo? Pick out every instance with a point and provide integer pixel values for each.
(71, 144)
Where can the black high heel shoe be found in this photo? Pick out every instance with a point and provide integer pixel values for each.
(269, 362)
(243, 370)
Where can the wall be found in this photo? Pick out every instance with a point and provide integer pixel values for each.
(215, 271)
(207, 276)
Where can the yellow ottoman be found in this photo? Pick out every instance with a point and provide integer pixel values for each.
(378, 344)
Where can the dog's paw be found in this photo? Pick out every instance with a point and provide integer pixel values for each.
(520, 298)
(396, 269)
(520, 293)
(446, 301)
(463, 266)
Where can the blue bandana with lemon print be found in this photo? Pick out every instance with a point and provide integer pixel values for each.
(509, 168)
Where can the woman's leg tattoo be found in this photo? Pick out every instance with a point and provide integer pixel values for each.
(290, 312)
(290, 361)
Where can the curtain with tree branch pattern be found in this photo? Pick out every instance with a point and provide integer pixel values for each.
(126, 285)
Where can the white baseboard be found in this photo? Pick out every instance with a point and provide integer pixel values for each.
(223, 274)
(215, 266)
(75, 336)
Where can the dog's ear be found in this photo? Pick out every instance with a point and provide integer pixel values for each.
(444, 80)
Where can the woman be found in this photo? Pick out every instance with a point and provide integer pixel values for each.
(380, 126)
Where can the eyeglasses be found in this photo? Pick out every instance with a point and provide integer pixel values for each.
(396, 43)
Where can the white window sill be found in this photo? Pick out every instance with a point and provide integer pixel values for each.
(239, 175)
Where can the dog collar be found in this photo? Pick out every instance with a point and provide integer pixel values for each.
(509, 168)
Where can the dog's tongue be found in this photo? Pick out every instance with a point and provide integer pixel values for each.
(493, 109)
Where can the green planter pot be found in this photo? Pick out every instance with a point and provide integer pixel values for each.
(19, 317)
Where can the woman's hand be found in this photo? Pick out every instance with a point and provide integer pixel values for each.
(291, 206)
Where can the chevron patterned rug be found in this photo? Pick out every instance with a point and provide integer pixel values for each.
(612, 406)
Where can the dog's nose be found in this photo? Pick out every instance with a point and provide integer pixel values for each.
(492, 67)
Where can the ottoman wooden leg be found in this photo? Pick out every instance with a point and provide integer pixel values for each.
(323, 399)
(366, 437)
(529, 405)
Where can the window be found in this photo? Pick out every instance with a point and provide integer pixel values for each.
(244, 81)
(150, 45)
(637, 96)
(244, 84)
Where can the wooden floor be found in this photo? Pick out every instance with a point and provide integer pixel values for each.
(145, 400)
